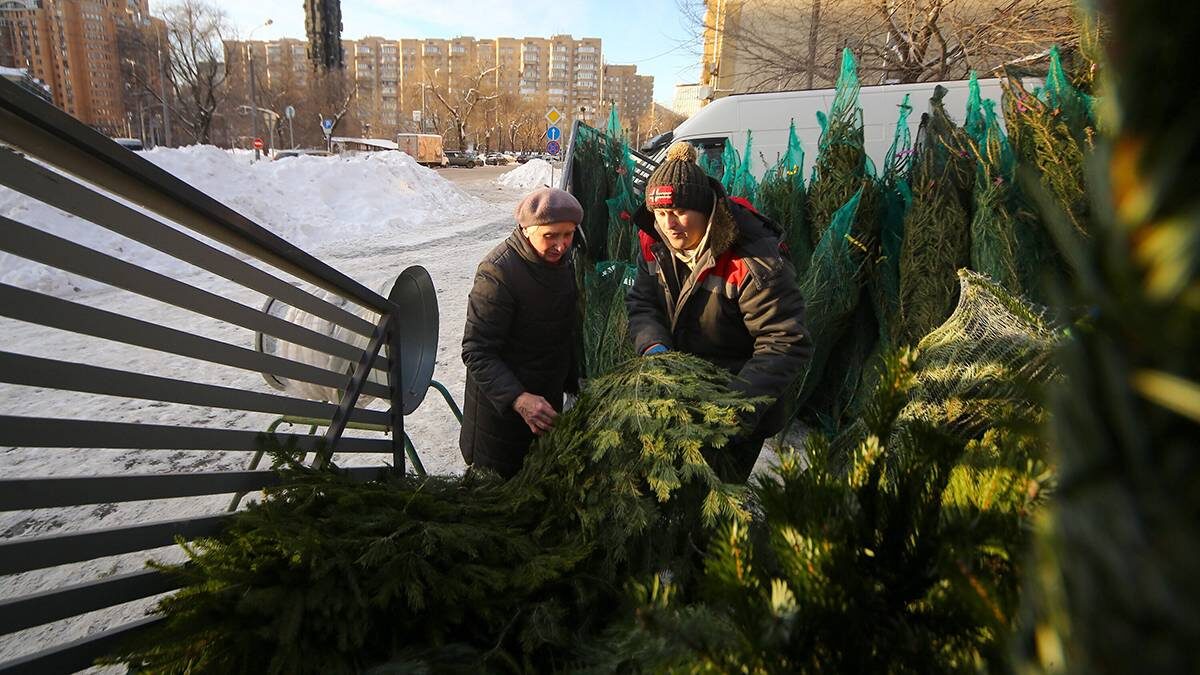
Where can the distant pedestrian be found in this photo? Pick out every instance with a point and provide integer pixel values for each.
(519, 341)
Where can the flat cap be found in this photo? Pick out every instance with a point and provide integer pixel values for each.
(548, 205)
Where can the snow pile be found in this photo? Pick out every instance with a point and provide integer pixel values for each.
(532, 174)
(310, 201)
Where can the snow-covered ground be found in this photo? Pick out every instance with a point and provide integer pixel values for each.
(368, 216)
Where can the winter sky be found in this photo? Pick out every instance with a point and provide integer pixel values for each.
(652, 34)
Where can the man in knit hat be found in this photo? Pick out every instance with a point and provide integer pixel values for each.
(518, 344)
(711, 282)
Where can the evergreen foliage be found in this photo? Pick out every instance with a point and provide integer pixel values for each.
(909, 561)
(936, 233)
(1116, 588)
(329, 576)
(781, 197)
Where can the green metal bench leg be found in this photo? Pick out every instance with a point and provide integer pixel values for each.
(411, 453)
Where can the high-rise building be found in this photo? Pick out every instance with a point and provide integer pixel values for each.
(631, 93)
(81, 50)
(398, 82)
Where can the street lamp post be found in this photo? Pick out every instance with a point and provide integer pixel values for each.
(253, 98)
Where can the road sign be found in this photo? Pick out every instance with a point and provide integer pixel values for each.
(553, 116)
(553, 147)
(289, 112)
(327, 124)
(416, 115)
(554, 133)
(258, 144)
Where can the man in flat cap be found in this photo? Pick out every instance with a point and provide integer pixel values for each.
(519, 340)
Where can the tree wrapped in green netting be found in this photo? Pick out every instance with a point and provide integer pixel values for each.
(327, 575)
(977, 366)
(606, 342)
(997, 246)
(841, 167)
(843, 171)
(1052, 133)
(895, 196)
(595, 158)
(729, 166)
(937, 226)
(831, 291)
(602, 180)
(781, 198)
(743, 183)
(903, 558)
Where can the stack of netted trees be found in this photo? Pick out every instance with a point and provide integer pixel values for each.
(877, 251)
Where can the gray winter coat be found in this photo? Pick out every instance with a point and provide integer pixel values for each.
(520, 336)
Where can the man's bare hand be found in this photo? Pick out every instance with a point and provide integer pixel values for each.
(536, 411)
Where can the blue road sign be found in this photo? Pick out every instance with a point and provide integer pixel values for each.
(552, 147)
(554, 133)
(326, 124)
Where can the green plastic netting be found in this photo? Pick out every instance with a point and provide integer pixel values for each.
(841, 164)
(602, 180)
(781, 197)
(831, 294)
(895, 196)
(605, 323)
(743, 183)
(936, 227)
(995, 247)
(1076, 108)
(729, 166)
(972, 368)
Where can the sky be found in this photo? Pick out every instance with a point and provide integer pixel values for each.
(652, 34)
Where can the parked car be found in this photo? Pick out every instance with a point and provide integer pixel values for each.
(463, 158)
(524, 157)
(297, 152)
(497, 159)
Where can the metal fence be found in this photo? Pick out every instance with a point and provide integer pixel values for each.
(643, 165)
(54, 159)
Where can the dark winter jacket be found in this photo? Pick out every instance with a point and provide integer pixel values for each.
(740, 309)
(519, 337)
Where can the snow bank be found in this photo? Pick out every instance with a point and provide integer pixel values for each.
(532, 174)
(310, 201)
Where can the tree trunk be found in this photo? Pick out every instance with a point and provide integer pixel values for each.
(812, 42)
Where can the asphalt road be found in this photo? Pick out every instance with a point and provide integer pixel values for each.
(461, 174)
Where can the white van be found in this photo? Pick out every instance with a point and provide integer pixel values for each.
(768, 115)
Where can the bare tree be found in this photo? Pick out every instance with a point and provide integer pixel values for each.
(787, 44)
(459, 103)
(195, 34)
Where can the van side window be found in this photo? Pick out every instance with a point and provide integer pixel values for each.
(709, 153)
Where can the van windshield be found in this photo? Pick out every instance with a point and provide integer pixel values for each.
(709, 153)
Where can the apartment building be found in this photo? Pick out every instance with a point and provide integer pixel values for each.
(83, 51)
(397, 81)
(633, 94)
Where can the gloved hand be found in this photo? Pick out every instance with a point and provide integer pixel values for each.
(656, 348)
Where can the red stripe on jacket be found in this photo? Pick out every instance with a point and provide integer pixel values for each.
(729, 268)
(646, 241)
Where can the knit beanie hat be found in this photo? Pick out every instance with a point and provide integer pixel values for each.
(548, 205)
(679, 183)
